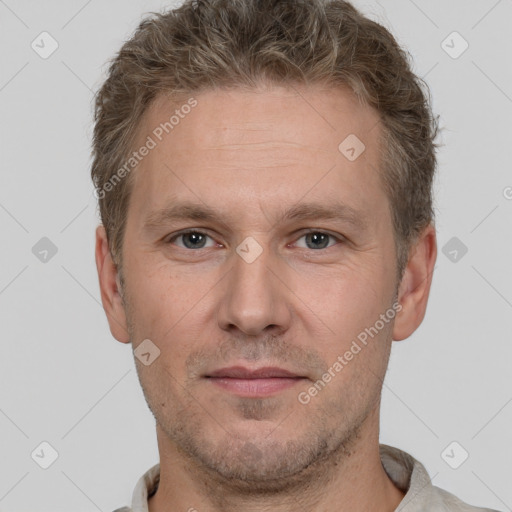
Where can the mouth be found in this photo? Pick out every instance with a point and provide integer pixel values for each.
(254, 383)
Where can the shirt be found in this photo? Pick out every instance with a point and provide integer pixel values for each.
(409, 475)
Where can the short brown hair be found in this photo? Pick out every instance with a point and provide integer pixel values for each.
(225, 43)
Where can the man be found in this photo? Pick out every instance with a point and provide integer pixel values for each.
(264, 173)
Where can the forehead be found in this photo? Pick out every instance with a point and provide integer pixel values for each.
(277, 143)
(302, 114)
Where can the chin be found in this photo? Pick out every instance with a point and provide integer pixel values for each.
(260, 463)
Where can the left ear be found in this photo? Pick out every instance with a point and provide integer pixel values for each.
(415, 285)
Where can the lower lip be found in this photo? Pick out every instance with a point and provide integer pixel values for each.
(255, 387)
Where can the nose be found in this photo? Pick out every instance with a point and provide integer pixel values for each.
(255, 300)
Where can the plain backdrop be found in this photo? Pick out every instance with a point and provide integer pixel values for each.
(65, 381)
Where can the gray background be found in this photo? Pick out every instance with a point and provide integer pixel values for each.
(66, 381)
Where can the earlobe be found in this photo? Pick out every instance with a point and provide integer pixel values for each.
(415, 285)
(110, 288)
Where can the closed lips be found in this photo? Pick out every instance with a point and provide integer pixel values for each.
(238, 372)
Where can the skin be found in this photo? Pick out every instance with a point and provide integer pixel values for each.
(252, 155)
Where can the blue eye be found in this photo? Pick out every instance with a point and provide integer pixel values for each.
(318, 240)
(191, 240)
(314, 240)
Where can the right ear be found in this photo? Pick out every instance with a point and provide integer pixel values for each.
(109, 287)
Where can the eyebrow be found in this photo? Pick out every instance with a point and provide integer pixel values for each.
(300, 212)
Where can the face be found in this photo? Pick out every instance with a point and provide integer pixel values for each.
(257, 257)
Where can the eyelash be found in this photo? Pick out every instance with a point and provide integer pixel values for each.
(170, 240)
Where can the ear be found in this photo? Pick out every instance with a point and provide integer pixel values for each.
(109, 287)
(415, 285)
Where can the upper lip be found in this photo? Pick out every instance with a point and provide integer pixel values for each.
(239, 372)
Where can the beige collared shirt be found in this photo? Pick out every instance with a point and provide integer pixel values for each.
(407, 473)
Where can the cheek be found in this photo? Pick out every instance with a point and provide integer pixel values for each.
(348, 297)
(159, 292)
(170, 309)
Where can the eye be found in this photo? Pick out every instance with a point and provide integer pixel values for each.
(319, 240)
(191, 240)
(198, 240)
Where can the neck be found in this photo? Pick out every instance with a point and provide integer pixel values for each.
(347, 481)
